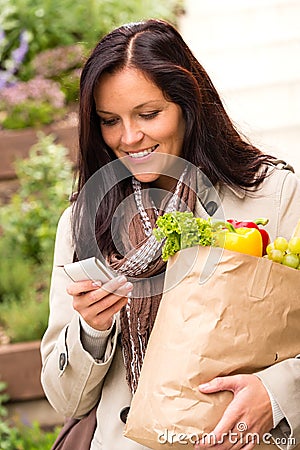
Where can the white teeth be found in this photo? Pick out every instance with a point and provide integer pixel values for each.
(143, 153)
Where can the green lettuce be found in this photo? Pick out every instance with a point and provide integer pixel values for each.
(182, 230)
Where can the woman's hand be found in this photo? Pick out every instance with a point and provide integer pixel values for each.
(249, 412)
(97, 304)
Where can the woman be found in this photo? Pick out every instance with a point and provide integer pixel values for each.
(146, 102)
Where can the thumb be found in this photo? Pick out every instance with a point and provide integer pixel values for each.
(219, 384)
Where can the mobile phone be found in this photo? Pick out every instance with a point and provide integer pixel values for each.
(89, 269)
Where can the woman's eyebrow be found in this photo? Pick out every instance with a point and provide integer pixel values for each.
(147, 103)
(104, 112)
(136, 107)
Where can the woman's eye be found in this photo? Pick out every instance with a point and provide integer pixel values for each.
(108, 122)
(150, 115)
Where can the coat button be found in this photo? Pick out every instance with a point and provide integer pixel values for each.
(62, 361)
(124, 413)
(211, 208)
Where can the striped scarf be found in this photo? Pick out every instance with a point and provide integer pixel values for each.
(143, 265)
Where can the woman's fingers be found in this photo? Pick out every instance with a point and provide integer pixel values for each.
(103, 320)
(97, 303)
(117, 286)
(99, 314)
(80, 287)
(248, 415)
(96, 290)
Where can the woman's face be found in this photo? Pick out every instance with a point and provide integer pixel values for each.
(138, 123)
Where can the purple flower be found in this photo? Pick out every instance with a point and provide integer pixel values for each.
(36, 89)
(19, 54)
(17, 57)
(2, 35)
(4, 78)
(54, 61)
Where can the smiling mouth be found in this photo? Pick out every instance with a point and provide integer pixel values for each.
(142, 153)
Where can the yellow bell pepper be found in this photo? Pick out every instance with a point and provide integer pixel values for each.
(243, 240)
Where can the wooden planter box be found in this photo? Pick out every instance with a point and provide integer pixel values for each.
(20, 369)
(16, 144)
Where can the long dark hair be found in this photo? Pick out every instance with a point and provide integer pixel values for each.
(211, 142)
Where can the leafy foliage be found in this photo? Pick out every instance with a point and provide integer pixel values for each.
(28, 225)
(30, 114)
(16, 274)
(20, 436)
(45, 40)
(29, 221)
(26, 319)
(53, 23)
(32, 103)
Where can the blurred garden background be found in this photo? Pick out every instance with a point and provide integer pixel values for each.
(250, 49)
(43, 45)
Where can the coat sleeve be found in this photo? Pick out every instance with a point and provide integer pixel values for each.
(288, 196)
(71, 378)
(283, 379)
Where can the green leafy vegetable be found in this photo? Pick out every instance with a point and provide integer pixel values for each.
(182, 230)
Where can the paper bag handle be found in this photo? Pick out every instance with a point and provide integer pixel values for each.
(260, 278)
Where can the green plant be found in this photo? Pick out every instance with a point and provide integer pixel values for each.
(28, 226)
(3, 399)
(30, 114)
(70, 85)
(48, 38)
(21, 327)
(108, 14)
(13, 44)
(24, 292)
(19, 436)
(63, 65)
(29, 221)
(53, 23)
(8, 434)
(16, 274)
(32, 103)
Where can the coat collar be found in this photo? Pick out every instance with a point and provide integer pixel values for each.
(238, 191)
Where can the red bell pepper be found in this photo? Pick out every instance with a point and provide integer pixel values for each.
(254, 224)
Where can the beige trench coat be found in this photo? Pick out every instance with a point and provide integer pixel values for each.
(74, 381)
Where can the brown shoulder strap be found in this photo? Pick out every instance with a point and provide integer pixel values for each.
(281, 164)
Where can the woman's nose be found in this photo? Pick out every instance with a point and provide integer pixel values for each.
(131, 134)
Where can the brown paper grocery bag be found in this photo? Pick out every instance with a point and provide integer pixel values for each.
(222, 313)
